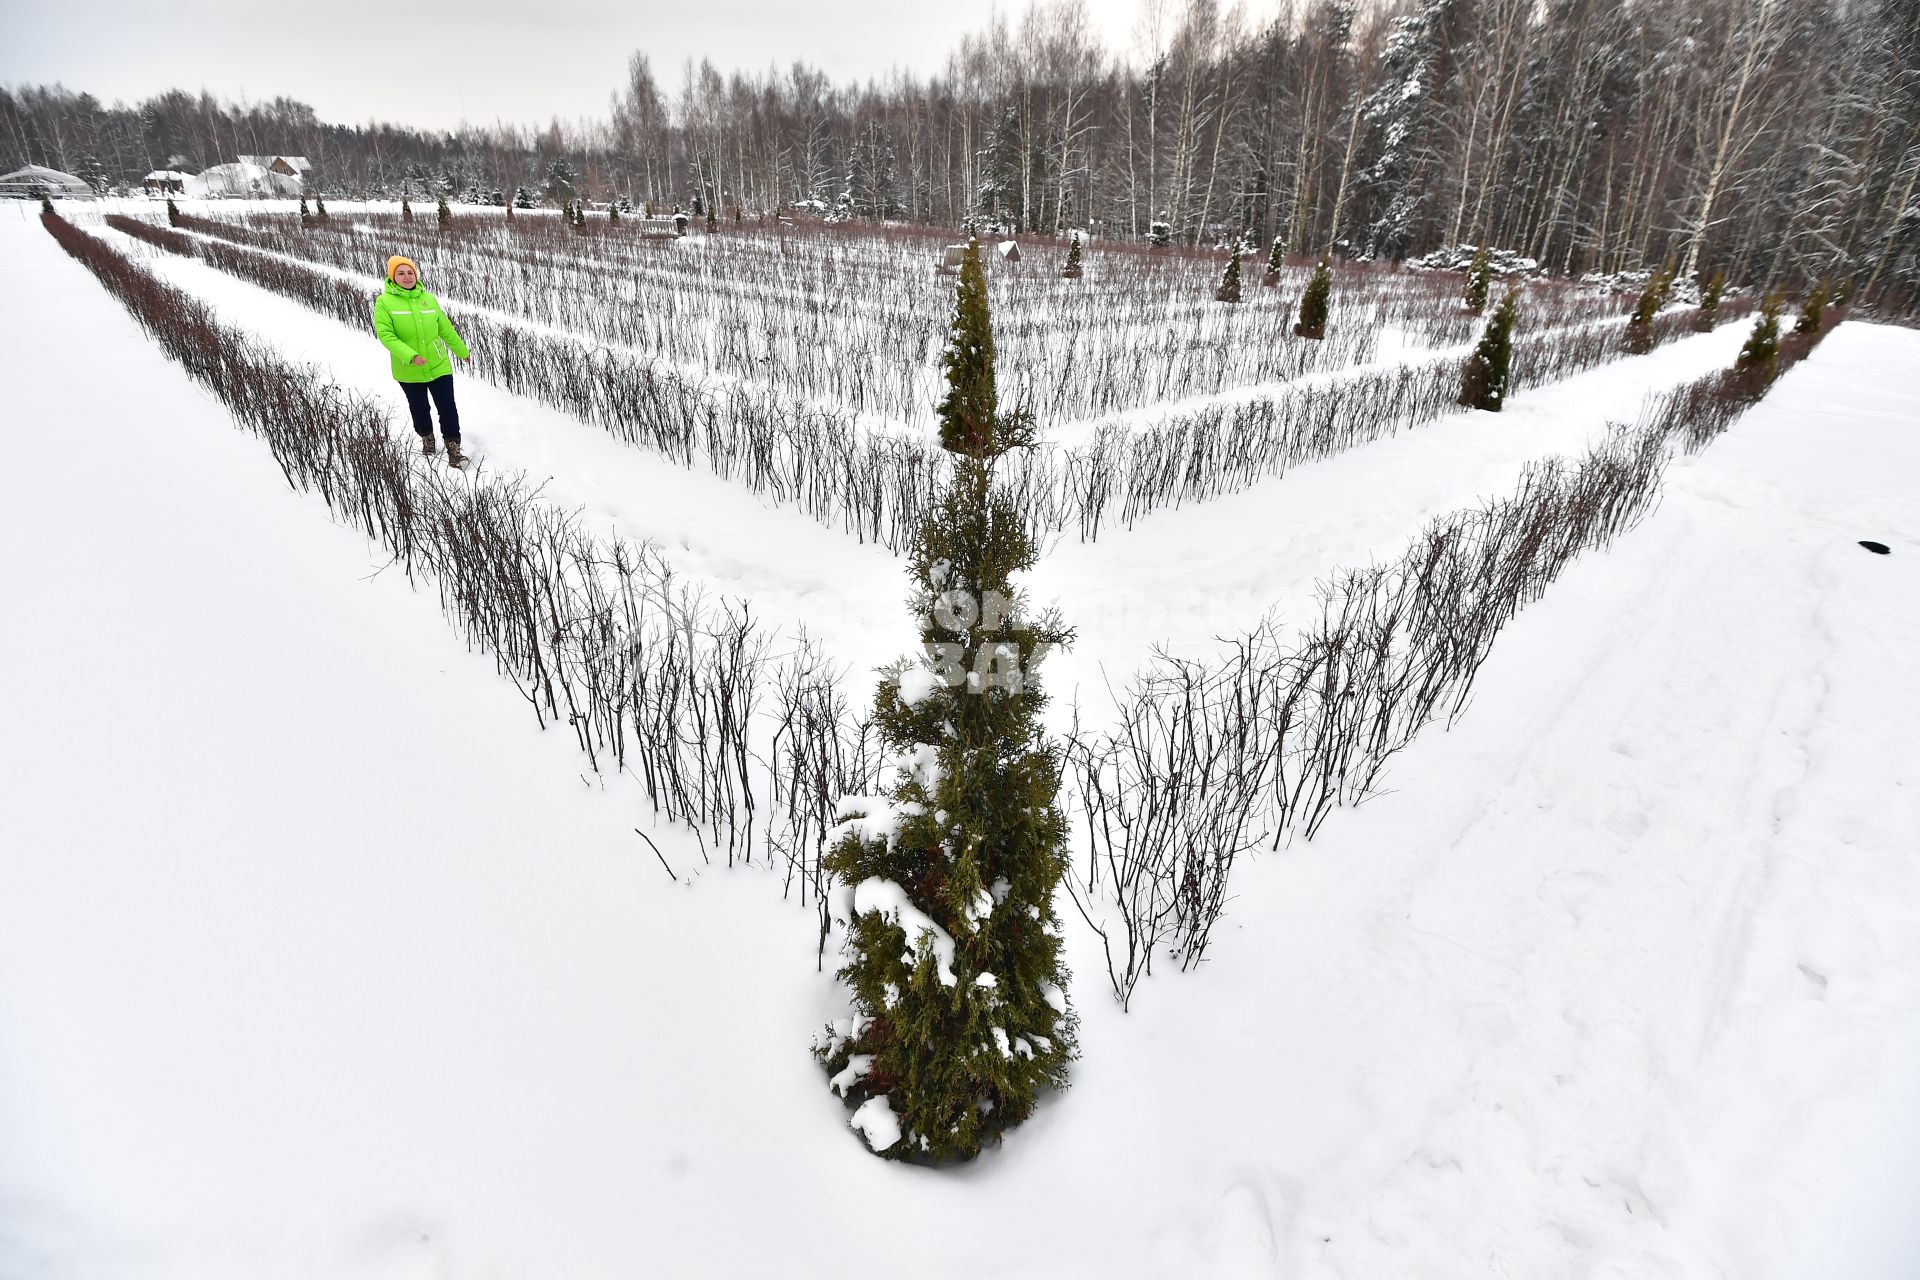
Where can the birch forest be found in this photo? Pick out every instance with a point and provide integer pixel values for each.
(1775, 140)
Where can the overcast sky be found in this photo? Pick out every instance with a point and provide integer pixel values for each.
(431, 66)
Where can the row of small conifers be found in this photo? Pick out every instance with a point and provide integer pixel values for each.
(749, 752)
(878, 487)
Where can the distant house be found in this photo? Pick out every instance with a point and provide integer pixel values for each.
(35, 181)
(295, 167)
(163, 182)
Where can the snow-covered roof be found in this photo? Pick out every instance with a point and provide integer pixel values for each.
(35, 177)
(166, 175)
(299, 164)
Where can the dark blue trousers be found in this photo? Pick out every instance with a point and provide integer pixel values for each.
(441, 389)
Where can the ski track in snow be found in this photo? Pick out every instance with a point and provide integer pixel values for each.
(1620, 978)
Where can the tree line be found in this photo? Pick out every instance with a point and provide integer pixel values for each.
(1771, 139)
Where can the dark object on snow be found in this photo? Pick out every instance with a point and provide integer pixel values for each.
(441, 390)
(1878, 548)
(1313, 304)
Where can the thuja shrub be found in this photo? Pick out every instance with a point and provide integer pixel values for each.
(1639, 334)
(1073, 269)
(1483, 382)
(951, 948)
(1229, 290)
(1812, 310)
(1708, 313)
(1762, 348)
(1276, 259)
(1479, 280)
(1313, 304)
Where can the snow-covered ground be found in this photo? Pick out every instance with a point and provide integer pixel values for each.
(317, 959)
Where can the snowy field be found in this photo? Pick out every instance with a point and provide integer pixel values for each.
(319, 960)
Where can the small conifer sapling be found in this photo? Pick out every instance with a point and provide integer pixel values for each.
(1276, 259)
(1072, 270)
(1314, 303)
(1479, 281)
(1639, 333)
(1483, 381)
(1229, 290)
(1813, 311)
(1754, 368)
(173, 213)
(445, 212)
(406, 208)
(1708, 313)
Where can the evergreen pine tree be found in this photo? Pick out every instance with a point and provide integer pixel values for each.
(1229, 290)
(319, 208)
(406, 208)
(1314, 304)
(306, 215)
(445, 212)
(1756, 361)
(1073, 269)
(1812, 311)
(952, 948)
(1276, 259)
(173, 213)
(1160, 232)
(46, 204)
(1639, 333)
(1479, 280)
(1708, 313)
(713, 220)
(522, 197)
(613, 213)
(1483, 382)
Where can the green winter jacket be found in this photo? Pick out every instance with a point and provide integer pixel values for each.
(410, 323)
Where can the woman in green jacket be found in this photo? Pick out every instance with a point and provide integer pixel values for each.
(412, 326)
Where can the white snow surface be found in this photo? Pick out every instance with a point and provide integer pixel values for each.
(317, 959)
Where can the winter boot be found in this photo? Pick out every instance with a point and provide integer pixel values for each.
(426, 444)
(455, 458)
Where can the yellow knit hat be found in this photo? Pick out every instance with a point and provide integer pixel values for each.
(396, 260)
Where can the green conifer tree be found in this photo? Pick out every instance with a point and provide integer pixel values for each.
(306, 214)
(1276, 259)
(613, 213)
(1314, 303)
(406, 208)
(1073, 270)
(713, 219)
(1479, 280)
(173, 213)
(1483, 382)
(1756, 362)
(1229, 290)
(319, 208)
(1813, 311)
(1639, 332)
(946, 885)
(1708, 313)
(445, 212)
